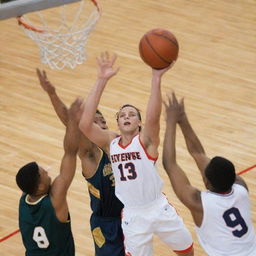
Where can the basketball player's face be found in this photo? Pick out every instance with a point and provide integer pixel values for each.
(128, 120)
(45, 179)
(100, 121)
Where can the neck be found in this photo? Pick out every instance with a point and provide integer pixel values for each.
(34, 198)
(127, 137)
(222, 193)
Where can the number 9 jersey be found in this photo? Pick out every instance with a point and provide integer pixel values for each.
(42, 233)
(227, 227)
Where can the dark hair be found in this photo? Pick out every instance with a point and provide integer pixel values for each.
(221, 174)
(129, 105)
(28, 178)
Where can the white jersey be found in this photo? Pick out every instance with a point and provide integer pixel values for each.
(137, 181)
(227, 227)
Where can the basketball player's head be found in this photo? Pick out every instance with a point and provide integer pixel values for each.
(129, 118)
(220, 172)
(100, 120)
(33, 180)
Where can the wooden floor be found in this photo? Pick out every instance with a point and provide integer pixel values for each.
(215, 72)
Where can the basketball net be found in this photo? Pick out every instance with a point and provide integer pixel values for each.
(62, 39)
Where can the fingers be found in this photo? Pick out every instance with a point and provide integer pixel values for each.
(38, 72)
(117, 70)
(182, 102)
(44, 75)
(168, 101)
(165, 104)
(113, 59)
(172, 101)
(102, 56)
(175, 102)
(105, 58)
(78, 101)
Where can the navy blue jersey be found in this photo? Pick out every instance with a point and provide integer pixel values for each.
(42, 233)
(106, 217)
(101, 187)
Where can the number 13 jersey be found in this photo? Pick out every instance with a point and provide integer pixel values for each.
(137, 180)
(227, 227)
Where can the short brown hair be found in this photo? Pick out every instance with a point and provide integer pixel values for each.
(128, 105)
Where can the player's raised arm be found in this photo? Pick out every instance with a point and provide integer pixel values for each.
(150, 132)
(68, 165)
(59, 107)
(193, 143)
(105, 71)
(188, 195)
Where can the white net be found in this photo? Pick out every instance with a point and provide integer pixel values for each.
(62, 37)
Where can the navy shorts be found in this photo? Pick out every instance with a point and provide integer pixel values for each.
(107, 235)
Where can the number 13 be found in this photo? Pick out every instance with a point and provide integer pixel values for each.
(131, 170)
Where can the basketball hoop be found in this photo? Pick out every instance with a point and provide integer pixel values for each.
(62, 40)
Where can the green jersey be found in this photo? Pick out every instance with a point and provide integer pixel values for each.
(42, 233)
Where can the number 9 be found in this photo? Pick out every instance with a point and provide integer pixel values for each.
(233, 218)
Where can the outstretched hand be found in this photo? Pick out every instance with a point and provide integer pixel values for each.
(105, 65)
(174, 109)
(44, 82)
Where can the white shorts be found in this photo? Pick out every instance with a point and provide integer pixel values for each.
(160, 218)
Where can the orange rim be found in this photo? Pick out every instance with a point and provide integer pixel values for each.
(27, 26)
(30, 27)
(96, 4)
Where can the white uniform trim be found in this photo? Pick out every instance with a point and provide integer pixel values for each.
(36, 202)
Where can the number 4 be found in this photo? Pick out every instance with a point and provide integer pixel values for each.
(40, 237)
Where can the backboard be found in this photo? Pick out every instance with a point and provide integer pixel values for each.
(14, 8)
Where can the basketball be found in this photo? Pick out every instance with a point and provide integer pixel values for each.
(158, 48)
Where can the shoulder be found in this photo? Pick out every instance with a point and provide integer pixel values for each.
(240, 188)
(23, 196)
(115, 139)
(240, 181)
